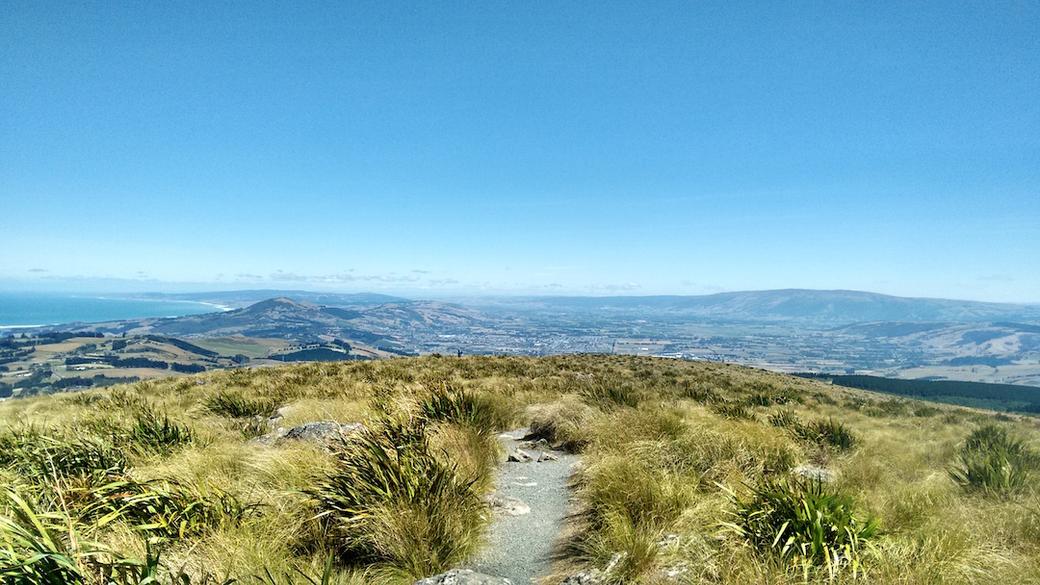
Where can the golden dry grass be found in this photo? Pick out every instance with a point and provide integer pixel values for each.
(659, 457)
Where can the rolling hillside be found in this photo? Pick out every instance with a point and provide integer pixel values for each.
(383, 473)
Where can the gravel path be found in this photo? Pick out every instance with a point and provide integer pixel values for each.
(520, 546)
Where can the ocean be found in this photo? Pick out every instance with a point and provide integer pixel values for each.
(19, 309)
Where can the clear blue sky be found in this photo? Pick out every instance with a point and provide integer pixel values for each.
(556, 147)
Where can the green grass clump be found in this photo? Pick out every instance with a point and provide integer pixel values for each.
(785, 419)
(447, 403)
(163, 509)
(802, 523)
(234, 404)
(732, 410)
(826, 433)
(152, 432)
(53, 548)
(993, 462)
(39, 455)
(611, 392)
(563, 423)
(391, 501)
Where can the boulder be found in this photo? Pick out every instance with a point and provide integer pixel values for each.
(546, 456)
(463, 577)
(326, 433)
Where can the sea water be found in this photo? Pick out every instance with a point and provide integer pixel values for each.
(22, 309)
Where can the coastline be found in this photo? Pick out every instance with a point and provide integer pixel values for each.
(37, 307)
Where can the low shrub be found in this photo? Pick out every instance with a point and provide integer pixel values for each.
(699, 393)
(803, 523)
(993, 462)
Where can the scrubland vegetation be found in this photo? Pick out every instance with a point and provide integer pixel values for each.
(691, 473)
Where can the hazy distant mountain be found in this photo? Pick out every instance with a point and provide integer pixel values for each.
(833, 307)
(242, 298)
(286, 318)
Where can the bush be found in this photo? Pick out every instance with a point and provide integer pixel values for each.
(699, 393)
(802, 523)
(392, 502)
(993, 462)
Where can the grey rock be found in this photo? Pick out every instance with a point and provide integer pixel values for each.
(463, 577)
(593, 577)
(815, 472)
(508, 505)
(325, 433)
(546, 456)
(520, 456)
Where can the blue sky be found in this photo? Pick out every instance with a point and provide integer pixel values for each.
(529, 147)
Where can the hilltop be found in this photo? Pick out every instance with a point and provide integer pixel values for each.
(385, 472)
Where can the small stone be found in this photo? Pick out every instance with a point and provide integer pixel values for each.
(463, 577)
(668, 540)
(508, 505)
(546, 456)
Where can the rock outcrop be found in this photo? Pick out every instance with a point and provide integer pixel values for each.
(325, 433)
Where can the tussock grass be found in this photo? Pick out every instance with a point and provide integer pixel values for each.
(804, 524)
(235, 404)
(187, 498)
(994, 462)
(392, 502)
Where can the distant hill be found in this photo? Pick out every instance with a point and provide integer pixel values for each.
(817, 306)
(243, 298)
(293, 319)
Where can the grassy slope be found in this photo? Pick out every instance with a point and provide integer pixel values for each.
(665, 443)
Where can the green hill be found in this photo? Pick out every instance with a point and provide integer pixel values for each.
(691, 472)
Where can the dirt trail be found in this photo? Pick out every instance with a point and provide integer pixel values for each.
(520, 546)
